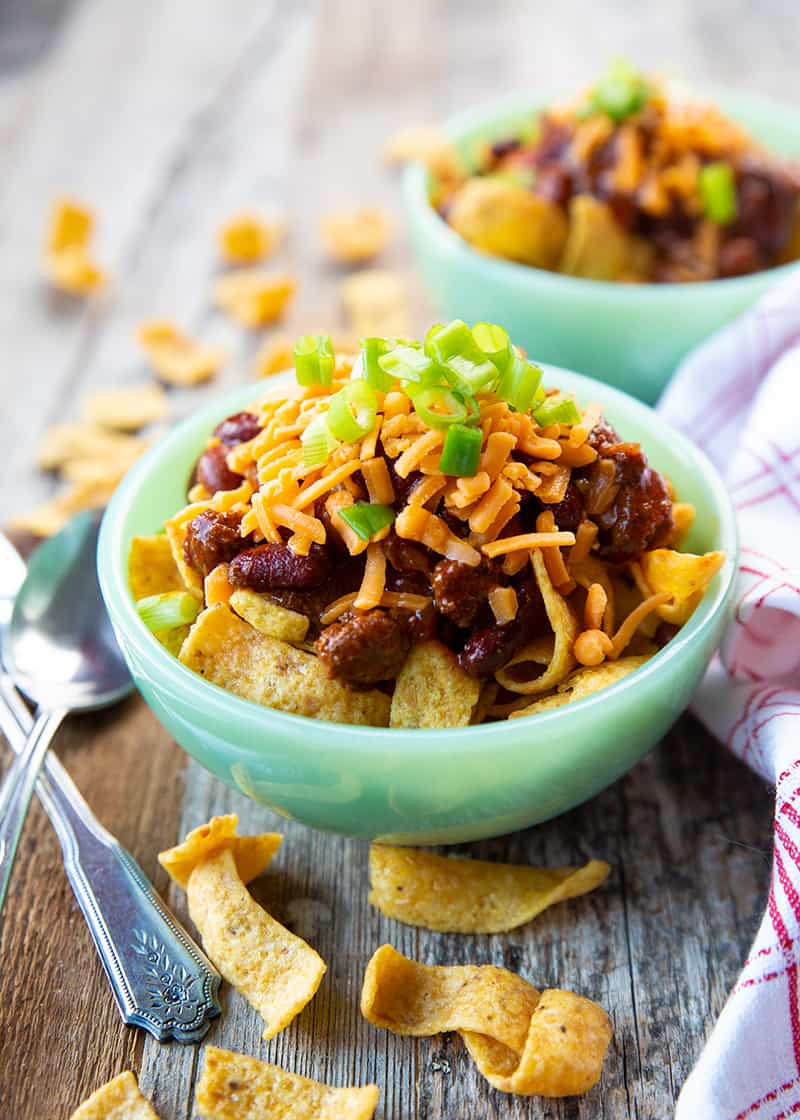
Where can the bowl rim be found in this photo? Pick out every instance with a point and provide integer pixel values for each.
(417, 202)
(112, 572)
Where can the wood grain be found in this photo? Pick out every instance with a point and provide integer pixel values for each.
(167, 117)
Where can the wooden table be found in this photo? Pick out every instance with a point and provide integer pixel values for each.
(168, 117)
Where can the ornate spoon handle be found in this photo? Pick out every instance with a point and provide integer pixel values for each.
(160, 979)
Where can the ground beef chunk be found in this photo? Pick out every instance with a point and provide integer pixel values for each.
(239, 428)
(211, 539)
(640, 516)
(767, 201)
(460, 591)
(213, 472)
(366, 648)
(275, 565)
(568, 513)
(406, 556)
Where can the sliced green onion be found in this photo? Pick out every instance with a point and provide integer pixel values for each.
(557, 409)
(407, 363)
(519, 384)
(168, 611)
(494, 343)
(317, 442)
(718, 192)
(440, 407)
(314, 360)
(352, 411)
(367, 518)
(461, 452)
(477, 376)
(620, 93)
(448, 340)
(372, 349)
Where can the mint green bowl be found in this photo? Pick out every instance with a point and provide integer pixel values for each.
(631, 336)
(418, 786)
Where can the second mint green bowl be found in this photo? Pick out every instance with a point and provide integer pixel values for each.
(631, 336)
(422, 787)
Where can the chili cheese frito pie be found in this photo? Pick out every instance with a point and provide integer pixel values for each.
(421, 535)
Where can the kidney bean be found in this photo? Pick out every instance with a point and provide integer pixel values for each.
(239, 428)
(213, 471)
(568, 513)
(665, 632)
(365, 648)
(488, 649)
(738, 257)
(212, 538)
(406, 556)
(275, 565)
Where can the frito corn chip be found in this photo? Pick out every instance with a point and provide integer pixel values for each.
(507, 220)
(268, 617)
(175, 358)
(563, 1054)
(251, 854)
(248, 238)
(254, 298)
(276, 971)
(583, 683)
(376, 302)
(425, 144)
(552, 1044)
(597, 247)
(683, 575)
(68, 264)
(228, 652)
(236, 1087)
(432, 690)
(683, 515)
(469, 895)
(356, 236)
(151, 567)
(175, 530)
(513, 676)
(118, 1099)
(126, 409)
(51, 516)
(64, 443)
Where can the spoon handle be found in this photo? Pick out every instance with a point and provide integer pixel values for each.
(17, 790)
(160, 979)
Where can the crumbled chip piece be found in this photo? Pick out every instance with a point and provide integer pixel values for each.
(429, 145)
(68, 263)
(118, 1099)
(248, 238)
(64, 443)
(376, 303)
(127, 408)
(176, 358)
(432, 690)
(582, 683)
(151, 567)
(276, 971)
(237, 1087)
(254, 298)
(51, 516)
(251, 854)
(232, 654)
(552, 1044)
(356, 236)
(268, 617)
(469, 895)
(682, 575)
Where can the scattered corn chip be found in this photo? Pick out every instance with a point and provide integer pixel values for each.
(429, 145)
(356, 236)
(118, 1099)
(254, 298)
(230, 653)
(68, 263)
(565, 630)
(268, 617)
(251, 854)
(64, 443)
(151, 567)
(237, 1087)
(176, 358)
(552, 1044)
(468, 895)
(682, 575)
(376, 302)
(276, 971)
(51, 516)
(583, 683)
(248, 238)
(125, 409)
(432, 690)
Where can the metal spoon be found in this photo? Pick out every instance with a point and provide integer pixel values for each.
(160, 979)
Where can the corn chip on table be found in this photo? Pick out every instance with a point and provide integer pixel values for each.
(168, 118)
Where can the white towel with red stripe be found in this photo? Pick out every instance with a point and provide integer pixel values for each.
(738, 396)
